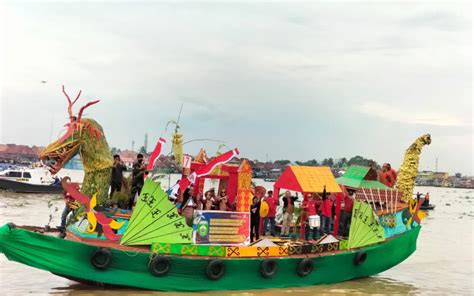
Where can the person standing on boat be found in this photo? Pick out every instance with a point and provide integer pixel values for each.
(68, 207)
(208, 201)
(56, 182)
(117, 175)
(255, 219)
(199, 202)
(138, 178)
(388, 176)
(272, 202)
(426, 202)
(347, 214)
(326, 213)
(223, 200)
(188, 205)
(309, 206)
(288, 209)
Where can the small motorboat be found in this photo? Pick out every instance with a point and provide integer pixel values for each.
(427, 207)
(29, 181)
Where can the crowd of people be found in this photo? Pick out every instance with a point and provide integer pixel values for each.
(320, 204)
(207, 201)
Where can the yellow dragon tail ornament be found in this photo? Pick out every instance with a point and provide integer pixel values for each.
(409, 167)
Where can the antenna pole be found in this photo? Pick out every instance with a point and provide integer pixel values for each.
(179, 115)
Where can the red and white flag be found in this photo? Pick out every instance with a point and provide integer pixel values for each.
(155, 154)
(207, 169)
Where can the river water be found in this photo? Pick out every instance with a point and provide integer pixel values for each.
(442, 264)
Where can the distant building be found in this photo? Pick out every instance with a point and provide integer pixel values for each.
(128, 157)
(442, 179)
(19, 153)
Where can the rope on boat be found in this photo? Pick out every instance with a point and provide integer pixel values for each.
(396, 201)
(391, 201)
(373, 203)
(380, 199)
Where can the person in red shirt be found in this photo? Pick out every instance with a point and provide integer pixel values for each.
(388, 176)
(272, 202)
(326, 213)
(347, 214)
(310, 207)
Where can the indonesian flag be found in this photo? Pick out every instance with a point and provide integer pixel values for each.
(207, 169)
(155, 154)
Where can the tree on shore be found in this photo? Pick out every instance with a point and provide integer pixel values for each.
(328, 162)
(282, 162)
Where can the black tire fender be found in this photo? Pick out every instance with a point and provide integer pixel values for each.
(101, 258)
(360, 258)
(305, 267)
(159, 265)
(215, 269)
(268, 268)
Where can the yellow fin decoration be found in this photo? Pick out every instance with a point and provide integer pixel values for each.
(92, 221)
(93, 202)
(116, 225)
(422, 215)
(90, 215)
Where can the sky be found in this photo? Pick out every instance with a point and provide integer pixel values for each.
(284, 80)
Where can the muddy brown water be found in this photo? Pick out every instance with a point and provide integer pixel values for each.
(442, 264)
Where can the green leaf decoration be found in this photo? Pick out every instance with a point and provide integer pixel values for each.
(365, 227)
(155, 219)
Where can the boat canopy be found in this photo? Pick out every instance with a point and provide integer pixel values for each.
(360, 177)
(307, 179)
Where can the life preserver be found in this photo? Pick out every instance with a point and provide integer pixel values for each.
(268, 268)
(101, 258)
(305, 267)
(159, 265)
(215, 269)
(360, 258)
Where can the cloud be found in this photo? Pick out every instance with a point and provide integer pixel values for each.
(410, 115)
(437, 18)
(280, 78)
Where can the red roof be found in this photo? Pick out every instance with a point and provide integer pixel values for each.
(19, 149)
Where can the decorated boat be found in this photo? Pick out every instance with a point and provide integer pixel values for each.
(161, 247)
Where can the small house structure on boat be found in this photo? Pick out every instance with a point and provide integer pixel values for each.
(234, 177)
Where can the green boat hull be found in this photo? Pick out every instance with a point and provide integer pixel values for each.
(72, 260)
